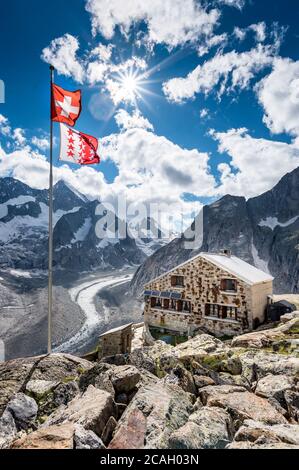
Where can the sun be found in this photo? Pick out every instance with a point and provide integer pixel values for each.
(130, 86)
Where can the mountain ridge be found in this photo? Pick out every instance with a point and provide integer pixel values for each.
(24, 231)
(263, 231)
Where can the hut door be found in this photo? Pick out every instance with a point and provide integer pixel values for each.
(126, 343)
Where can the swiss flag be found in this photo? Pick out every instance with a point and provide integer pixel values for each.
(77, 147)
(66, 105)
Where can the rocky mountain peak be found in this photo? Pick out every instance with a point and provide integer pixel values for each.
(11, 188)
(263, 231)
(66, 197)
(24, 217)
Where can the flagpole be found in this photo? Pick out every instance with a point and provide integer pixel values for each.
(50, 266)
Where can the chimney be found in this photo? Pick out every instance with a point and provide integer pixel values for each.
(227, 253)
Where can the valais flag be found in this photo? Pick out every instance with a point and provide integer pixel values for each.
(76, 147)
(66, 105)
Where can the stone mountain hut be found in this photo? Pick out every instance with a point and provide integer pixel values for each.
(219, 293)
(116, 341)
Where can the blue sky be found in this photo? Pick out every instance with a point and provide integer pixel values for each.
(192, 134)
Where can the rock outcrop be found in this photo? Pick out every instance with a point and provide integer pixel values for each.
(282, 337)
(208, 428)
(202, 394)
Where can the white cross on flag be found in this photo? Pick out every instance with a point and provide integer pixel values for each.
(76, 147)
(66, 105)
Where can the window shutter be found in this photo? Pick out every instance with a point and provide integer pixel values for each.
(223, 284)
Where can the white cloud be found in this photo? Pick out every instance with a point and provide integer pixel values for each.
(231, 71)
(233, 3)
(151, 169)
(32, 168)
(259, 30)
(240, 33)
(213, 41)
(256, 164)
(204, 113)
(170, 22)
(93, 67)
(103, 52)
(5, 128)
(96, 72)
(98, 64)
(15, 138)
(25, 164)
(42, 143)
(278, 94)
(126, 121)
(19, 136)
(62, 54)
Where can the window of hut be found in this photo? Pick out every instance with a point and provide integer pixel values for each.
(177, 281)
(229, 285)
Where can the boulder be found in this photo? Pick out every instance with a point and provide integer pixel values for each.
(155, 412)
(208, 428)
(60, 367)
(228, 379)
(99, 377)
(84, 439)
(109, 430)
(92, 410)
(183, 378)
(289, 316)
(52, 437)
(38, 389)
(202, 381)
(292, 403)
(8, 430)
(198, 405)
(15, 374)
(241, 404)
(125, 378)
(148, 358)
(278, 406)
(251, 445)
(64, 393)
(117, 360)
(203, 349)
(61, 395)
(114, 379)
(258, 364)
(130, 434)
(23, 409)
(199, 369)
(254, 430)
(266, 338)
(274, 386)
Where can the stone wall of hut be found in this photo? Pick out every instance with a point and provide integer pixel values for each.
(202, 285)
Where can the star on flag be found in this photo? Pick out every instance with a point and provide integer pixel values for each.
(77, 147)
